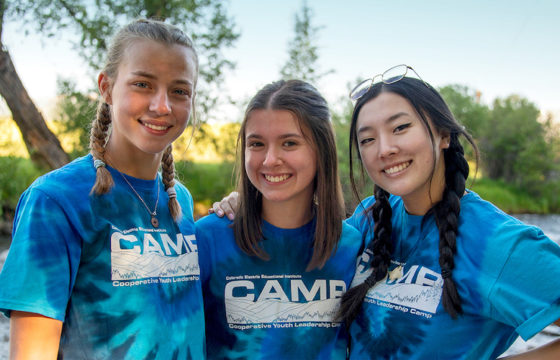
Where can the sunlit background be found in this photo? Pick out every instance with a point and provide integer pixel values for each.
(498, 47)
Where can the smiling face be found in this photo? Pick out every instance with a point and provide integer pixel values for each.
(279, 160)
(151, 98)
(398, 154)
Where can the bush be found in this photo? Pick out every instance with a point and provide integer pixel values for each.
(206, 182)
(15, 176)
(510, 198)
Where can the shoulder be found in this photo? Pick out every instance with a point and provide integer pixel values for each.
(359, 217)
(72, 180)
(493, 234)
(213, 223)
(350, 237)
(182, 189)
(481, 216)
(75, 172)
(349, 231)
(362, 220)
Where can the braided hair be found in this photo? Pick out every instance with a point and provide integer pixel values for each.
(100, 129)
(429, 104)
(381, 247)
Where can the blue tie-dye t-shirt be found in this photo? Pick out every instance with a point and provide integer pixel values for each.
(507, 274)
(258, 309)
(124, 289)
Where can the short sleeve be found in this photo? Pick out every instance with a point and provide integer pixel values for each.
(526, 294)
(43, 259)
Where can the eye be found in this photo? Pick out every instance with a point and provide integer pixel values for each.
(401, 127)
(289, 143)
(141, 84)
(254, 144)
(366, 140)
(182, 92)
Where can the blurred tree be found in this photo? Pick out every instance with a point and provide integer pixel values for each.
(43, 146)
(95, 21)
(467, 109)
(75, 110)
(514, 144)
(341, 119)
(303, 55)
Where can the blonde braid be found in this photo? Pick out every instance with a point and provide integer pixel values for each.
(168, 175)
(98, 139)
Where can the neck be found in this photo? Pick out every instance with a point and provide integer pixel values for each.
(137, 164)
(422, 201)
(286, 216)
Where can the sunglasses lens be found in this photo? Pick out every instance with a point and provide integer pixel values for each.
(394, 74)
(360, 89)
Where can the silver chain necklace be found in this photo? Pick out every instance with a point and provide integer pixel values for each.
(154, 220)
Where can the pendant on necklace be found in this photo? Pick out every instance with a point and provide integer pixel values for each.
(155, 222)
(396, 273)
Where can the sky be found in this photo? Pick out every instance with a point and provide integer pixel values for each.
(497, 47)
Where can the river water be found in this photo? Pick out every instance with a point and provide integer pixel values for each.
(549, 223)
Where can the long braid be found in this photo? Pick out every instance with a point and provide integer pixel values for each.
(168, 176)
(381, 247)
(98, 139)
(447, 218)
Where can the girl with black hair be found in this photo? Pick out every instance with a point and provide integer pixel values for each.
(445, 274)
(273, 278)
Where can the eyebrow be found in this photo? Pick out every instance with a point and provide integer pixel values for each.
(389, 120)
(151, 76)
(283, 136)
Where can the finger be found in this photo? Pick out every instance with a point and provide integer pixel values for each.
(216, 208)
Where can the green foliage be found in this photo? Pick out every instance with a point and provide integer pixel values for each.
(16, 175)
(341, 123)
(511, 199)
(514, 144)
(93, 23)
(206, 182)
(75, 111)
(303, 54)
(465, 106)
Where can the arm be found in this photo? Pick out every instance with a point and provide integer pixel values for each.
(226, 206)
(33, 336)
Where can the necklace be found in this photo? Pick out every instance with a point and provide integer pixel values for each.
(154, 220)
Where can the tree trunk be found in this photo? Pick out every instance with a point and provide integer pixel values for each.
(43, 146)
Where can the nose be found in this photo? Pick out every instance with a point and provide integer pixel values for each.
(273, 157)
(387, 146)
(160, 103)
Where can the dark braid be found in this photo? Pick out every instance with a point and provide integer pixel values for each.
(168, 176)
(98, 139)
(447, 218)
(381, 247)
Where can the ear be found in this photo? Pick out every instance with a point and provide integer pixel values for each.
(445, 141)
(104, 84)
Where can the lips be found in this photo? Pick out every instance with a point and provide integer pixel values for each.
(276, 179)
(395, 169)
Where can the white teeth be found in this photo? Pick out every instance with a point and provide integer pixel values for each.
(155, 127)
(276, 178)
(397, 168)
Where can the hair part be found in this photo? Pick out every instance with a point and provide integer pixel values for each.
(312, 113)
(142, 29)
(430, 107)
